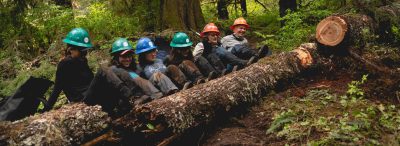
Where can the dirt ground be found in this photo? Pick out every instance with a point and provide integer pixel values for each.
(250, 129)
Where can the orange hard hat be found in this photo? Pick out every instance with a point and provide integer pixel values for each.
(240, 21)
(210, 27)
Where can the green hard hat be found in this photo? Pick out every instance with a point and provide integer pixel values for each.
(121, 44)
(78, 37)
(181, 40)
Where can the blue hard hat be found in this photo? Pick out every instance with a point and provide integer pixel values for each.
(144, 45)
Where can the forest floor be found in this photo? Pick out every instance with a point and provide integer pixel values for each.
(314, 109)
(251, 128)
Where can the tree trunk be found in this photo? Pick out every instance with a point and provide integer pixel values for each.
(222, 7)
(199, 105)
(65, 3)
(361, 37)
(167, 117)
(243, 6)
(285, 5)
(356, 29)
(181, 15)
(70, 125)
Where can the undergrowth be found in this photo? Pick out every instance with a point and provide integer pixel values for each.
(324, 118)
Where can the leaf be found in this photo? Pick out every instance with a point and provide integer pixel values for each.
(150, 126)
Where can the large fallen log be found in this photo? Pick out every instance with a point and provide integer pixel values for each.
(170, 116)
(70, 125)
(164, 118)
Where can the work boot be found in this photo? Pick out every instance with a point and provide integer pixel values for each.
(187, 85)
(172, 92)
(223, 72)
(199, 81)
(143, 99)
(235, 68)
(211, 75)
(264, 51)
(251, 60)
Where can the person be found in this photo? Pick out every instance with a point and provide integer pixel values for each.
(118, 87)
(210, 51)
(153, 68)
(123, 64)
(73, 74)
(237, 44)
(181, 56)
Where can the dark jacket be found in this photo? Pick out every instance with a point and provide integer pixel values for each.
(73, 76)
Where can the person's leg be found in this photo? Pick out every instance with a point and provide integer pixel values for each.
(204, 66)
(176, 75)
(162, 81)
(243, 52)
(191, 71)
(216, 62)
(105, 85)
(229, 58)
(148, 88)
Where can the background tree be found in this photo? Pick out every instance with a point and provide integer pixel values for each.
(285, 5)
(222, 7)
(243, 6)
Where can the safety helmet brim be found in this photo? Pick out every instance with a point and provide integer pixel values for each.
(145, 50)
(172, 44)
(86, 46)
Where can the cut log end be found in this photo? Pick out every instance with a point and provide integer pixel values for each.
(331, 31)
(304, 55)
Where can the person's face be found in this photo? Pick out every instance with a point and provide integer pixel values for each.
(184, 51)
(239, 30)
(212, 37)
(125, 60)
(151, 56)
(75, 53)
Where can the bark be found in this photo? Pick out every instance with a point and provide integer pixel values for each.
(243, 6)
(222, 7)
(70, 125)
(181, 15)
(202, 104)
(284, 6)
(164, 119)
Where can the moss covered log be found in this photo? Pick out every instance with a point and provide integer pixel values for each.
(203, 103)
(70, 125)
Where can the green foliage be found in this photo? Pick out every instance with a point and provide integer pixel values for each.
(46, 70)
(299, 25)
(320, 118)
(354, 90)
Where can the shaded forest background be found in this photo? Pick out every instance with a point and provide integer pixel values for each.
(32, 30)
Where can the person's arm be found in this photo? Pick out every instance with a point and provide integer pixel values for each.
(198, 50)
(58, 86)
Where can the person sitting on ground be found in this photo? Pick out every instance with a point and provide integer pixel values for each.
(181, 56)
(153, 68)
(73, 74)
(237, 44)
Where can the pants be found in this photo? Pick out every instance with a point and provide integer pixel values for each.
(176, 75)
(191, 71)
(163, 82)
(110, 92)
(229, 58)
(146, 87)
(243, 51)
(210, 63)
